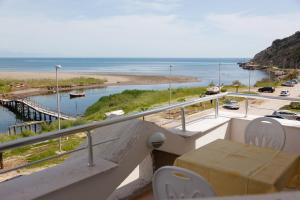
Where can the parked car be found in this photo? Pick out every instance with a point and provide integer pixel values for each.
(213, 90)
(284, 93)
(294, 81)
(274, 116)
(266, 89)
(288, 84)
(231, 104)
(286, 114)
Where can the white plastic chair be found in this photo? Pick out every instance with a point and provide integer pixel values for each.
(172, 182)
(265, 132)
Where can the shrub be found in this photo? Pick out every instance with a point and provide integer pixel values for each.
(181, 100)
(295, 105)
(223, 90)
(27, 133)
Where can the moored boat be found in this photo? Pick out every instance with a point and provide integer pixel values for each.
(75, 95)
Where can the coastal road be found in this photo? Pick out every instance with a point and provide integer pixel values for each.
(256, 107)
(267, 107)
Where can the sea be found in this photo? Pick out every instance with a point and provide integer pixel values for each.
(205, 69)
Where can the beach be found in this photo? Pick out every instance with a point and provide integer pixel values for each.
(111, 78)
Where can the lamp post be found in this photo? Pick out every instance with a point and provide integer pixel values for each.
(219, 78)
(170, 91)
(249, 84)
(57, 67)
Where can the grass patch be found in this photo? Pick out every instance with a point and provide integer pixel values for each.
(80, 81)
(267, 83)
(8, 85)
(137, 100)
(293, 106)
(44, 149)
(63, 124)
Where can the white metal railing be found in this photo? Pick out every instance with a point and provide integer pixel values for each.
(89, 127)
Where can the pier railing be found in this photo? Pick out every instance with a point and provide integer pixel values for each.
(35, 104)
(91, 126)
(36, 107)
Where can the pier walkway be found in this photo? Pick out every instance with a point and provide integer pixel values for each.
(32, 110)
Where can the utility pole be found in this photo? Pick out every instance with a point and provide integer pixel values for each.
(170, 90)
(249, 80)
(58, 103)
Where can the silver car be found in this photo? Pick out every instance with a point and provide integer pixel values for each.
(286, 114)
(231, 104)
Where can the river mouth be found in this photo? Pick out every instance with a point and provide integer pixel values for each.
(205, 70)
(76, 107)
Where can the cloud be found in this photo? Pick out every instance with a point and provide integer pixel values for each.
(156, 33)
(131, 35)
(151, 6)
(258, 26)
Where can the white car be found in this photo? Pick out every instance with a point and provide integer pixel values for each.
(231, 104)
(286, 114)
(284, 93)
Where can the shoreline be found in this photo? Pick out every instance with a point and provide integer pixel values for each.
(112, 79)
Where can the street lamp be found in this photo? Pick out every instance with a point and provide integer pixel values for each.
(170, 91)
(249, 79)
(57, 67)
(219, 78)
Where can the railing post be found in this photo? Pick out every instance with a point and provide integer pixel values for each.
(90, 148)
(183, 119)
(246, 107)
(217, 108)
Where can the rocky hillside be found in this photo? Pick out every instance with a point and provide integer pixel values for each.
(284, 53)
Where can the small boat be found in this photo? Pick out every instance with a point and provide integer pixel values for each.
(75, 95)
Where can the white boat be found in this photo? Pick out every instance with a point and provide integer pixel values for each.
(74, 95)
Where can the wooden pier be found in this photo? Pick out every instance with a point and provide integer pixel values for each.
(31, 110)
(19, 128)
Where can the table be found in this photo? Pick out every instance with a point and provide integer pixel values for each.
(234, 168)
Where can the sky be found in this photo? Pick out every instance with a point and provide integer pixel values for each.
(144, 28)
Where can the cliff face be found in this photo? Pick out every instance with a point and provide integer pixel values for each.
(284, 53)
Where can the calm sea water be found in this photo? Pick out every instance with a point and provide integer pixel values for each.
(205, 69)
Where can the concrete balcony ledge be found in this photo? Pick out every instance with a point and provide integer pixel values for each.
(53, 179)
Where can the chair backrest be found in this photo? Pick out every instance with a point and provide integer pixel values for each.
(265, 132)
(172, 182)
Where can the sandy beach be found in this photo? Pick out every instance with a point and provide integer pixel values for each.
(111, 78)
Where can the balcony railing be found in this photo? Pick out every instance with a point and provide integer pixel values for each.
(89, 127)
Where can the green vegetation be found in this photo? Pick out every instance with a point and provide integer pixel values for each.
(45, 149)
(293, 106)
(4, 86)
(81, 81)
(64, 124)
(8, 85)
(135, 100)
(138, 100)
(267, 83)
